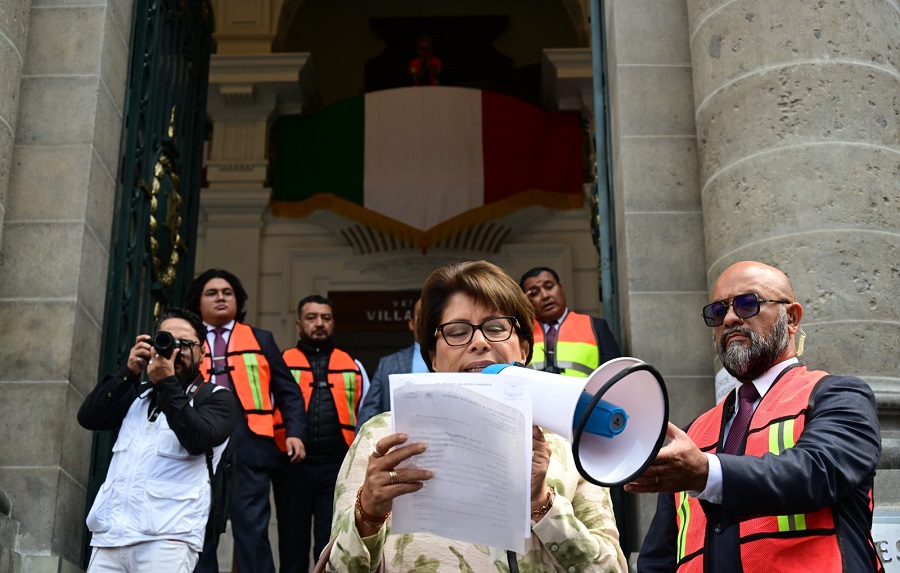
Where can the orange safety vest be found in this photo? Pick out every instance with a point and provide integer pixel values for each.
(772, 543)
(344, 380)
(250, 375)
(577, 349)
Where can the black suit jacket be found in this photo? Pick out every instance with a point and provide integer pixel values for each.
(832, 464)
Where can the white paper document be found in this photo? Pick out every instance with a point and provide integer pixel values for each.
(478, 431)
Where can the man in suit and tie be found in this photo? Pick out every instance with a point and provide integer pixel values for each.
(565, 342)
(247, 360)
(378, 398)
(779, 475)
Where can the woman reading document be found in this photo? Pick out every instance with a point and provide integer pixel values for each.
(473, 315)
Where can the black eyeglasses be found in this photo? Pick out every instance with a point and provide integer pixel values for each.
(497, 329)
(185, 344)
(744, 305)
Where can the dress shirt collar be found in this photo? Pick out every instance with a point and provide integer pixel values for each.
(558, 323)
(229, 326)
(764, 382)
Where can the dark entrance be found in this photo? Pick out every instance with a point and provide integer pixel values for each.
(372, 324)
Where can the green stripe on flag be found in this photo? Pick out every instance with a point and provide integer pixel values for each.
(321, 153)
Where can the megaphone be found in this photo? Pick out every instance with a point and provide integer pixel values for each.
(615, 418)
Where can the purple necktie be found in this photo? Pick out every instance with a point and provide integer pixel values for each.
(223, 378)
(550, 339)
(747, 395)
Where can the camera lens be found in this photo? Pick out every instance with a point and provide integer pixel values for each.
(164, 343)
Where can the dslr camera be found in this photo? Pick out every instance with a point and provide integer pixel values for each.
(164, 343)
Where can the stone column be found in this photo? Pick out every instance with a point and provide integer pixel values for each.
(798, 123)
(659, 233)
(244, 27)
(13, 36)
(246, 94)
(53, 265)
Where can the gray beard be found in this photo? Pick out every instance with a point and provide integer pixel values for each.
(749, 362)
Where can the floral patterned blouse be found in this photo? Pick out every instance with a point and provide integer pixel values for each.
(578, 533)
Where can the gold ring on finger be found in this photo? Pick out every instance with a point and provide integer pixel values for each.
(394, 479)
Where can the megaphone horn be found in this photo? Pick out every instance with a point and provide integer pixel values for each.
(615, 418)
(616, 460)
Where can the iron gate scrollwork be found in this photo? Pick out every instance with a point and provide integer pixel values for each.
(158, 186)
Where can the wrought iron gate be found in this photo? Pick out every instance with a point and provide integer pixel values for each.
(158, 185)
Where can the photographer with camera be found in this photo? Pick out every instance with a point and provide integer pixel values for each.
(150, 514)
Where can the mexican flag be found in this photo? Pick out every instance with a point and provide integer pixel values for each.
(427, 162)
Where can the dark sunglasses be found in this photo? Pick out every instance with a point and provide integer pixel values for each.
(744, 305)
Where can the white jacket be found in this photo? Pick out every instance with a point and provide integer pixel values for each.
(154, 488)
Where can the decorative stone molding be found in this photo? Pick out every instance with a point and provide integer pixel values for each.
(223, 206)
(567, 80)
(246, 93)
(245, 27)
(250, 85)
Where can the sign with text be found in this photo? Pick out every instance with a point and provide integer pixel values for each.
(886, 535)
(373, 310)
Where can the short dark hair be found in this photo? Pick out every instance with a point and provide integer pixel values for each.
(184, 314)
(486, 284)
(314, 298)
(535, 272)
(195, 291)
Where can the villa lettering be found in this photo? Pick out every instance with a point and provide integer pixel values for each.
(390, 315)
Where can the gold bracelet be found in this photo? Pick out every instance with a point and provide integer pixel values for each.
(546, 507)
(365, 517)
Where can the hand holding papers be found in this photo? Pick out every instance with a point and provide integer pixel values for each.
(478, 431)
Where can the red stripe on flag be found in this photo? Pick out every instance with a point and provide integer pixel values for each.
(527, 148)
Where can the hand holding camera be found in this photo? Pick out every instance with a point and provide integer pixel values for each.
(156, 354)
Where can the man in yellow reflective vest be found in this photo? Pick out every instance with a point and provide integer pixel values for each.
(247, 360)
(565, 342)
(332, 383)
(778, 476)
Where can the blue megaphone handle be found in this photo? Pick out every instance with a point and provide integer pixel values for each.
(607, 419)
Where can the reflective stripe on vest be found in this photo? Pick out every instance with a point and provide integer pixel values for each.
(683, 516)
(344, 380)
(249, 372)
(577, 349)
(776, 425)
(781, 437)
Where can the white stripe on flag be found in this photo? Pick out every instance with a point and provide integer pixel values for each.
(426, 143)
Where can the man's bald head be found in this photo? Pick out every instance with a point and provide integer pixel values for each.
(764, 280)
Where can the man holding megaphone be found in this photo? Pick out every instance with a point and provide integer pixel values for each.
(778, 476)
